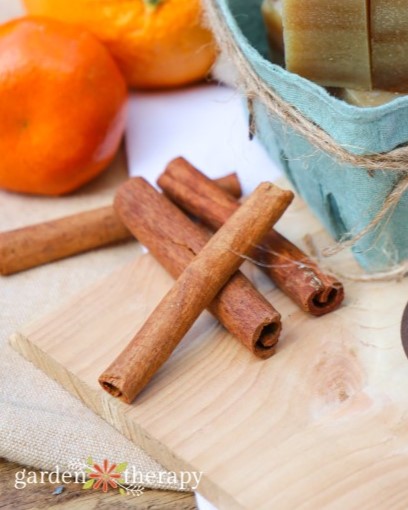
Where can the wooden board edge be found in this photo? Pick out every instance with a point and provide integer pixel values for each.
(106, 407)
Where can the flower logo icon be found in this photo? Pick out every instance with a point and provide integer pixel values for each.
(109, 476)
(105, 477)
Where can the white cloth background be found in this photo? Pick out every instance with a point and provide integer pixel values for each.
(205, 124)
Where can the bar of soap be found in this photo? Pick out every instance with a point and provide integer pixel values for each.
(327, 41)
(272, 14)
(367, 98)
(389, 44)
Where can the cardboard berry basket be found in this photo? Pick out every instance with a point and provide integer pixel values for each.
(349, 163)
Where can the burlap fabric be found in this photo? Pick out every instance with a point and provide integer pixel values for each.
(41, 424)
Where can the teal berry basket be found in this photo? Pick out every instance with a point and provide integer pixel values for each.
(348, 163)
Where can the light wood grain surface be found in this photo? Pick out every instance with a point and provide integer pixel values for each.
(322, 424)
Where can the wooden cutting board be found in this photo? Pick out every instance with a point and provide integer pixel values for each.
(322, 424)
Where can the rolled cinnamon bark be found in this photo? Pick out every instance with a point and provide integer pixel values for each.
(32, 246)
(193, 291)
(291, 269)
(39, 244)
(174, 240)
(230, 183)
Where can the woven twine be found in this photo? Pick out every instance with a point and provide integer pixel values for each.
(253, 87)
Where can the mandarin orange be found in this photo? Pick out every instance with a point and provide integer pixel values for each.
(157, 43)
(62, 108)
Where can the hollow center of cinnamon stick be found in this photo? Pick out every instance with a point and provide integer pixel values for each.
(268, 336)
(112, 389)
(322, 299)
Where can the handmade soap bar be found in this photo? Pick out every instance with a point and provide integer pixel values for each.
(389, 44)
(367, 98)
(272, 14)
(327, 41)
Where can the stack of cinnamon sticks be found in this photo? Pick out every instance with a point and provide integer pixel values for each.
(205, 265)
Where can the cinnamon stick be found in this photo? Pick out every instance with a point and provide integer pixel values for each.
(230, 184)
(193, 291)
(289, 267)
(32, 246)
(39, 244)
(174, 240)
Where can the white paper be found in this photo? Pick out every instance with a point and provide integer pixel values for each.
(205, 124)
(202, 503)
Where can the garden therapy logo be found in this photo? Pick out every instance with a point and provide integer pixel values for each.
(107, 476)
(104, 476)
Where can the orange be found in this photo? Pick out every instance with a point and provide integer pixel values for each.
(62, 107)
(157, 43)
